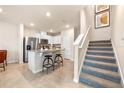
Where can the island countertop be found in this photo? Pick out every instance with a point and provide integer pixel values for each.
(46, 50)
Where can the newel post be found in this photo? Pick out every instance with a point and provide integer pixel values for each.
(76, 72)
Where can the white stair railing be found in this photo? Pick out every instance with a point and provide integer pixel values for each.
(80, 47)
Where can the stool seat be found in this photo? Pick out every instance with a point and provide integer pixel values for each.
(48, 55)
(58, 54)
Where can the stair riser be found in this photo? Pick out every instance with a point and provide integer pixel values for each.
(101, 59)
(101, 75)
(101, 45)
(100, 41)
(101, 49)
(111, 68)
(91, 83)
(101, 54)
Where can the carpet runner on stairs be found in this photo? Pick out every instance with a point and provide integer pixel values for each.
(100, 69)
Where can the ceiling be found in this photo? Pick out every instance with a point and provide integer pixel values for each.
(61, 15)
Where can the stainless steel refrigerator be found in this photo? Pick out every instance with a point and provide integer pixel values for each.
(29, 43)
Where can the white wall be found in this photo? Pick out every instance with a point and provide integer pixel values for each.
(86, 18)
(9, 40)
(100, 33)
(83, 21)
(20, 42)
(118, 33)
(67, 40)
(29, 32)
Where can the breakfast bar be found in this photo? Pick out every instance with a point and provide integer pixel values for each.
(36, 57)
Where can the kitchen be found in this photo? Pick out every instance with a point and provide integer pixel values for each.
(28, 38)
(39, 44)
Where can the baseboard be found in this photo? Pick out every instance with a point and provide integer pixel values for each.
(13, 61)
(39, 70)
(118, 63)
(68, 59)
(76, 81)
(72, 59)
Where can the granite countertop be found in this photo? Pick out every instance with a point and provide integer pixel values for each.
(46, 50)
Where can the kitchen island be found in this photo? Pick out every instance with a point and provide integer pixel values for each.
(36, 57)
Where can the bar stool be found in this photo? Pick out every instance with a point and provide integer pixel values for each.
(58, 59)
(48, 62)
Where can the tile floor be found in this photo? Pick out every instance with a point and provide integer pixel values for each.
(19, 76)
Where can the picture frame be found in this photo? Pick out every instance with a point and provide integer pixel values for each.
(101, 8)
(102, 20)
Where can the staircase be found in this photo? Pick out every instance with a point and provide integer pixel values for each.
(100, 69)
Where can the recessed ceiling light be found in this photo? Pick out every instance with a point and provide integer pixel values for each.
(1, 10)
(31, 24)
(51, 30)
(67, 26)
(48, 14)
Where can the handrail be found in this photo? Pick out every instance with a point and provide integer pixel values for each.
(78, 40)
(80, 37)
(85, 35)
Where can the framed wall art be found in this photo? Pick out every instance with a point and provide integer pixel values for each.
(100, 8)
(102, 19)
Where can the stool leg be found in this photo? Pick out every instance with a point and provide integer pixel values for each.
(58, 60)
(52, 63)
(62, 60)
(43, 64)
(47, 63)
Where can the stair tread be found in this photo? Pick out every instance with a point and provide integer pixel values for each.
(104, 82)
(115, 74)
(100, 44)
(101, 41)
(101, 66)
(90, 83)
(100, 51)
(99, 47)
(99, 56)
(102, 63)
